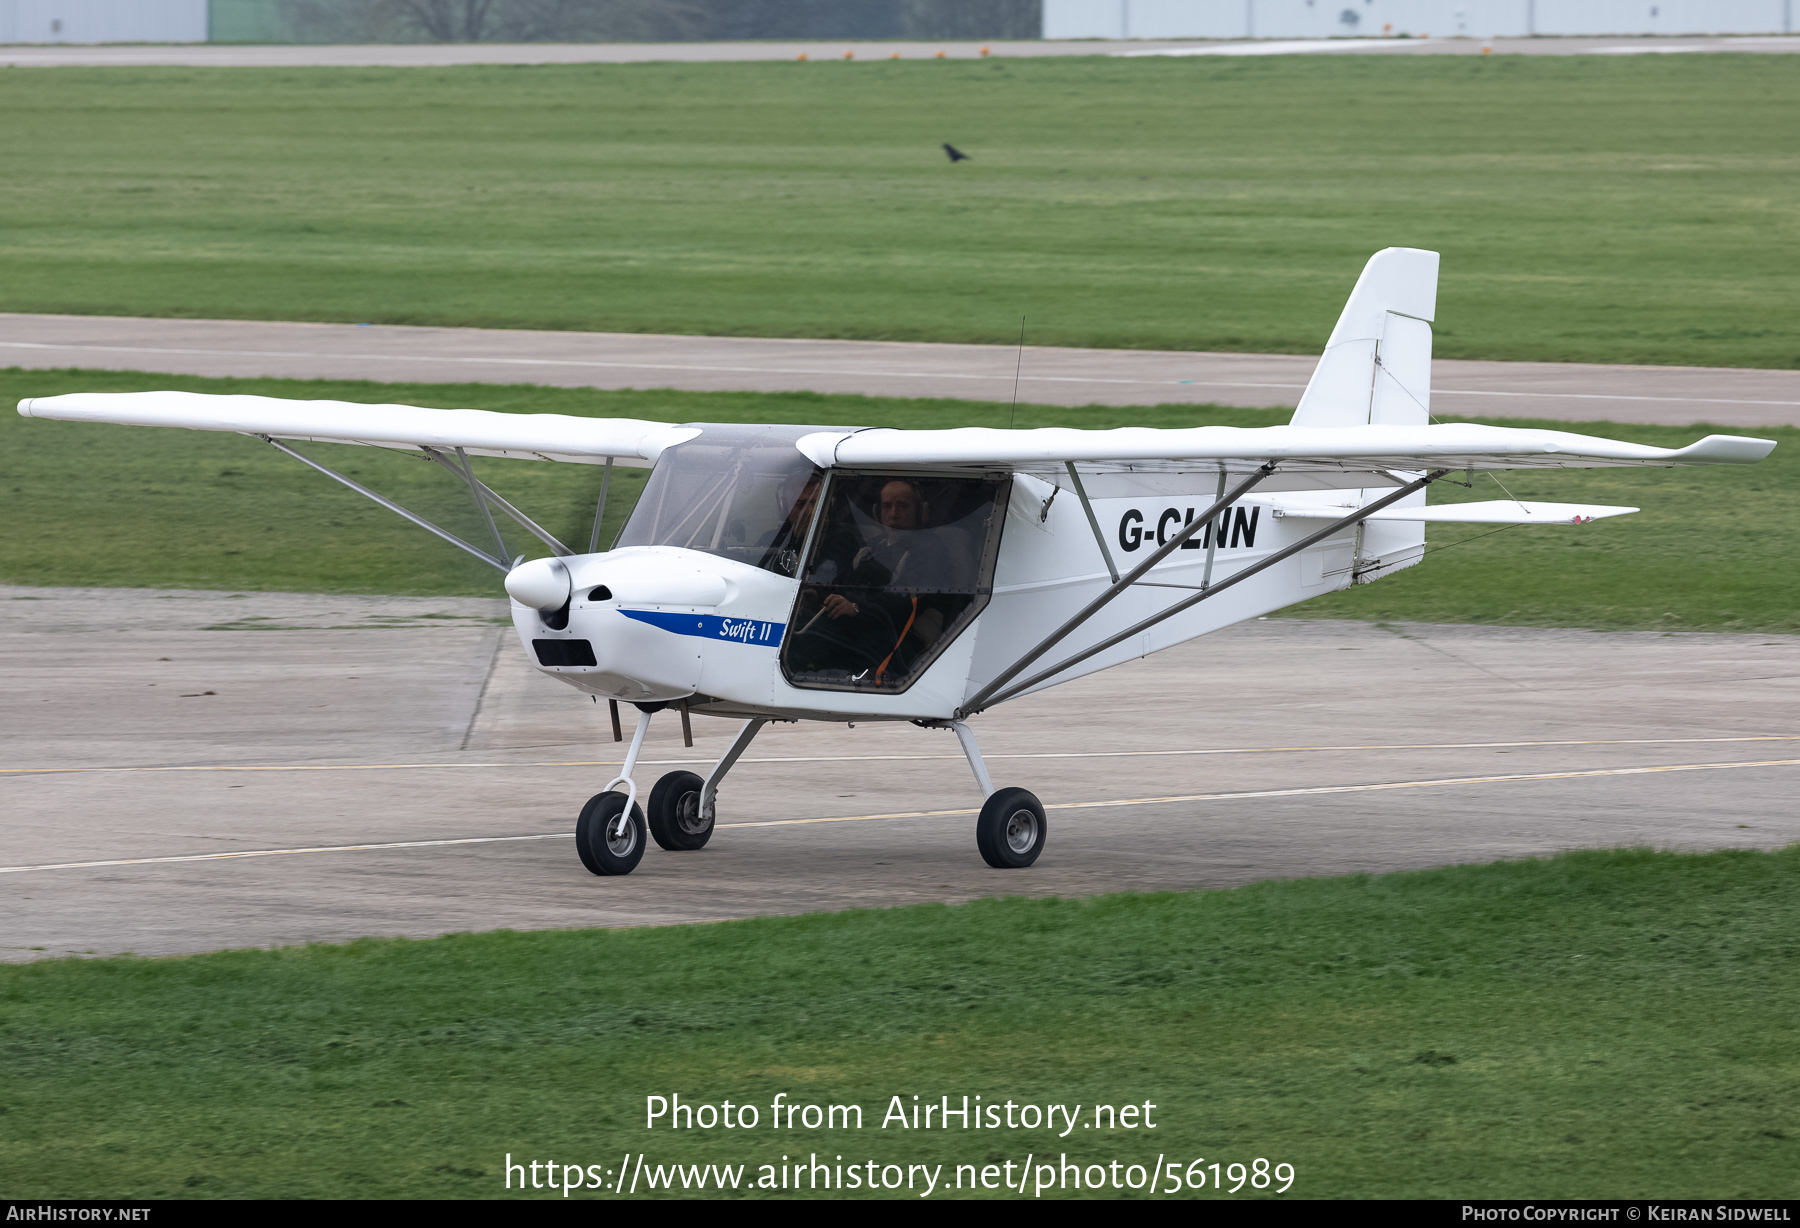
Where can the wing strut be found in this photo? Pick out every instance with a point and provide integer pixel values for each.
(1118, 586)
(1094, 521)
(484, 495)
(391, 506)
(1212, 543)
(600, 507)
(487, 513)
(1356, 517)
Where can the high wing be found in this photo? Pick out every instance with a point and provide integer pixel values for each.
(1352, 450)
(1489, 511)
(478, 432)
(447, 437)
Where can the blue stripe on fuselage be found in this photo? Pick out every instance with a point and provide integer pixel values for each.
(712, 627)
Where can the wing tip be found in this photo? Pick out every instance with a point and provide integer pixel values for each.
(1727, 450)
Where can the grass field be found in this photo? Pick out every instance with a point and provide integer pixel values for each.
(1606, 209)
(121, 506)
(1598, 1025)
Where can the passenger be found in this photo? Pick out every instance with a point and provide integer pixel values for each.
(781, 545)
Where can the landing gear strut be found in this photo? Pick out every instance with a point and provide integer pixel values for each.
(613, 830)
(683, 806)
(1011, 828)
(611, 833)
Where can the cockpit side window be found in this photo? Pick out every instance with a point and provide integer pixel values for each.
(899, 565)
(743, 494)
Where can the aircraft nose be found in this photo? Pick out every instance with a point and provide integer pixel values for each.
(542, 584)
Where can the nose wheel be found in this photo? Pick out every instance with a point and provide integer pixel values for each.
(1011, 829)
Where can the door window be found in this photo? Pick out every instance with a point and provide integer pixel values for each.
(899, 566)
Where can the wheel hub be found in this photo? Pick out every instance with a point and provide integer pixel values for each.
(1021, 831)
(621, 836)
(687, 813)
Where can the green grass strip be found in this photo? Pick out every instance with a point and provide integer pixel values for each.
(124, 506)
(1594, 1025)
(1589, 208)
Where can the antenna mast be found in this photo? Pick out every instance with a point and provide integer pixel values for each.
(1016, 368)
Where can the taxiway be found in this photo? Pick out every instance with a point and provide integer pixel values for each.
(188, 771)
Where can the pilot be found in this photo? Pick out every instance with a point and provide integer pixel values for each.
(889, 622)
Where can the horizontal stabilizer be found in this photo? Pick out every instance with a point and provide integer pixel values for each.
(1495, 511)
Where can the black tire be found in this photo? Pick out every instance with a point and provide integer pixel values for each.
(675, 821)
(605, 856)
(1011, 830)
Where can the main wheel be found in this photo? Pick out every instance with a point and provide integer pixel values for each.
(675, 821)
(1010, 832)
(604, 850)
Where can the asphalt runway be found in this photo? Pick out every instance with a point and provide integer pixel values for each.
(1570, 392)
(187, 771)
(442, 55)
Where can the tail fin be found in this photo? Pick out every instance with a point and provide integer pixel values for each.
(1377, 365)
(1377, 368)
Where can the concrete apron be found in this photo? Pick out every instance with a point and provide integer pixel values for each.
(147, 724)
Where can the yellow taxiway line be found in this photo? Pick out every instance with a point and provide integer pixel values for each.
(1091, 754)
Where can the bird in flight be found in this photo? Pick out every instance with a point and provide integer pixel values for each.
(956, 155)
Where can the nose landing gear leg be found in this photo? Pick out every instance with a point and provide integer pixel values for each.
(611, 833)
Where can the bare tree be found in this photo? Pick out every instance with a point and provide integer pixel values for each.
(532, 21)
(972, 18)
(460, 21)
(803, 18)
(451, 21)
(344, 21)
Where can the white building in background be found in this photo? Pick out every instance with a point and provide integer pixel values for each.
(186, 21)
(103, 21)
(1440, 18)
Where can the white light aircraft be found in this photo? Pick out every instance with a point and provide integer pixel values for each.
(787, 573)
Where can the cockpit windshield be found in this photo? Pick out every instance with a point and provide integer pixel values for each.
(740, 492)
